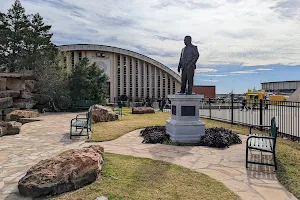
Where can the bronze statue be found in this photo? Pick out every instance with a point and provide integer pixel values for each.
(187, 62)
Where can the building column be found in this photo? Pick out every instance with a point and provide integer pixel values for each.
(150, 81)
(155, 81)
(121, 74)
(76, 57)
(139, 78)
(133, 80)
(161, 83)
(171, 85)
(145, 80)
(127, 76)
(114, 81)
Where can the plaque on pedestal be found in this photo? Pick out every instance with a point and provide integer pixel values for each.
(185, 125)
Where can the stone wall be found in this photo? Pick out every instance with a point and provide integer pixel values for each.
(17, 92)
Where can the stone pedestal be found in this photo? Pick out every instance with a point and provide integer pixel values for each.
(185, 125)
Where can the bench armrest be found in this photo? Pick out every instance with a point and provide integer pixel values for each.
(262, 137)
(80, 115)
(251, 127)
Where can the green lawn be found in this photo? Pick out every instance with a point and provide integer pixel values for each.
(288, 152)
(127, 177)
(128, 122)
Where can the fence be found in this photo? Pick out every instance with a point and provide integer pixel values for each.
(256, 112)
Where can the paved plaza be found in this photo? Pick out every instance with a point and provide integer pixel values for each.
(49, 137)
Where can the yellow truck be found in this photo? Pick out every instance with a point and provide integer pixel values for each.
(255, 96)
(274, 99)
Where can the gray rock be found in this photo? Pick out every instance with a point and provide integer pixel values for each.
(68, 171)
(142, 110)
(27, 95)
(10, 128)
(30, 86)
(2, 84)
(1, 132)
(103, 114)
(6, 102)
(6, 111)
(18, 114)
(10, 93)
(15, 84)
(24, 103)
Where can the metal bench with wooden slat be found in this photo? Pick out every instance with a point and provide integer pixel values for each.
(82, 123)
(263, 143)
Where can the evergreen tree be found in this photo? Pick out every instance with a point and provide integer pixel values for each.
(15, 25)
(38, 43)
(25, 41)
(88, 82)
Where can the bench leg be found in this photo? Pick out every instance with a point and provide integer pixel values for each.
(87, 130)
(71, 132)
(247, 156)
(275, 162)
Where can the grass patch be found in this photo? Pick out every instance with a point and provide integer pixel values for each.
(106, 131)
(287, 152)
(127, 177)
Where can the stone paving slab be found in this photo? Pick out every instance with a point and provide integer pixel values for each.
(47, 138)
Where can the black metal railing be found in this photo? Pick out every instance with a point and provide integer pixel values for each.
(254, 113)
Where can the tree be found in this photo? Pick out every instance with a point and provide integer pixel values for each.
(24, 40)
(88, 82)
(38, 43)
(52, 82)
(14, 25)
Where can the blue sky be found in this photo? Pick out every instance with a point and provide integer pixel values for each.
(241, 42)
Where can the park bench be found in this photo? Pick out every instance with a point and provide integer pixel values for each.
(82, 123)
(263, 143)
(83, 104)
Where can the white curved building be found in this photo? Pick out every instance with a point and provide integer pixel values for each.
(130, 73)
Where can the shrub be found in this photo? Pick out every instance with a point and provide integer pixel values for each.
(155, 134)
(219, 137)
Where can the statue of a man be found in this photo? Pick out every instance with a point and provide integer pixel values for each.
(187, 63)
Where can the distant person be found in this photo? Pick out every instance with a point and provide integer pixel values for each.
(163, 103)
(244, 105)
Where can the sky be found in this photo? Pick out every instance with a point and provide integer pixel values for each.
(241, 42)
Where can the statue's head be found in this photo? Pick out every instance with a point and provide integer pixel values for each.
(187, 40)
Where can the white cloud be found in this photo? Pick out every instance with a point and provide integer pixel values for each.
(205, 70)
(215, 75)
(252, 32)
(263, 69)
(213, 81)
(244, 72)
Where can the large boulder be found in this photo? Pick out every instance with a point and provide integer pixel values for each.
(27, 95)
(6, 111)
(15, 84)
(68, 171)
(10, 128)
(2, 84)
(10, 93)
(142, 110)
(6, 102)
(17, 114)
(30, 85)
(103, 114)
(24, 103)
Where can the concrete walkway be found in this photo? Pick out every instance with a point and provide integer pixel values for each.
(45, 139)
